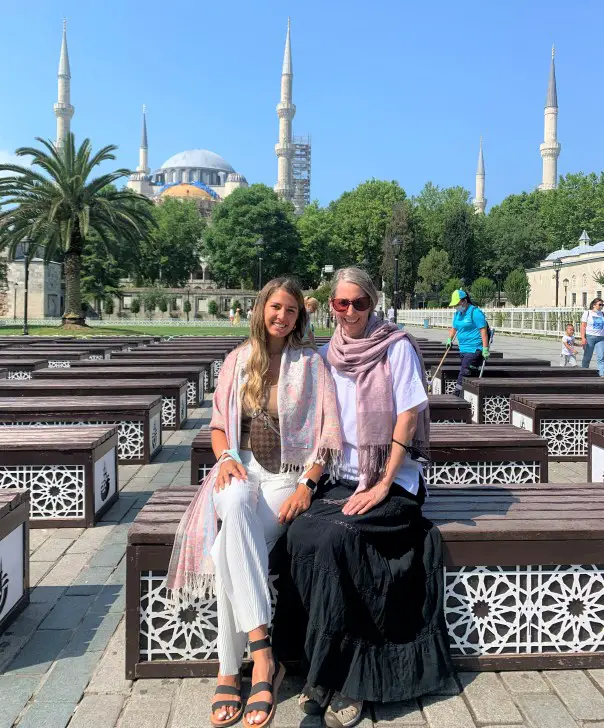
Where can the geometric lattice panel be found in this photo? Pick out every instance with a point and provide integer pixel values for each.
(525, 609)
(450, 386)
(203, 470)
(56, 491)
(168, 412)
(19, 374)
(469, 473)
(59, 364)
(435, 386)
(178, 630)
(183, 407)
(496, 410)
(96, 357)
(206, 380)
(191, 393)
(566, 437)
(130, 440)
(216, 367)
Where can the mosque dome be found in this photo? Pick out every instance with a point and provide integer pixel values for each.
(193, 190)
(236, 177)
(197, 159)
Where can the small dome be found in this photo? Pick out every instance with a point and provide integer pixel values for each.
(197, 159)
(236, 177)
(558, 254)
(194, 190)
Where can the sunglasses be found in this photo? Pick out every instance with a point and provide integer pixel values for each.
(340, 305)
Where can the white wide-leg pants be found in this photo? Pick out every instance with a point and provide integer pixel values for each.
(250, 528)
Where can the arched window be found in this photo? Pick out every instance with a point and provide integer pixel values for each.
(584, 279)
(573, 281)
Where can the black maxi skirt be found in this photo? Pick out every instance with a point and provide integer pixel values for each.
(361, 597)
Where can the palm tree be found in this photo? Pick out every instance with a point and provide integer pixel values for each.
(59, 209)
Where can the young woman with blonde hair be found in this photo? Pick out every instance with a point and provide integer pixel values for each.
(274, 430)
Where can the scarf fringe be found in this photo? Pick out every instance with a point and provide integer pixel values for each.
(373, 459)
(331, 459)
(197, 586)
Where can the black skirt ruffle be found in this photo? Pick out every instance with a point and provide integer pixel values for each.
(361, 597)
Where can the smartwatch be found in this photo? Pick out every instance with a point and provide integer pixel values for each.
(309, 483)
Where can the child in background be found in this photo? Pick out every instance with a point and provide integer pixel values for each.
(568, 356)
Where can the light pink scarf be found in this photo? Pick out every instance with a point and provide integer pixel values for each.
(366, 361)
(310, 433)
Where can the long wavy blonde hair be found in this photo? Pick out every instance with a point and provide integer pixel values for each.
(254, 390)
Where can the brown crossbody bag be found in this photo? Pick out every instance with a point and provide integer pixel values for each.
(265, 441)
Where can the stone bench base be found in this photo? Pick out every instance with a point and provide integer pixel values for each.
(71, 473)
(523, 569)
(14, 554)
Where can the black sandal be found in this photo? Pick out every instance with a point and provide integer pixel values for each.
(269, 687)
(217, 704)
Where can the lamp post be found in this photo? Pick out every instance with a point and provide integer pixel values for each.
(498, 277)
(16, 285)
(557, 265)
(396, 247)
(565, 284)
(259, 246)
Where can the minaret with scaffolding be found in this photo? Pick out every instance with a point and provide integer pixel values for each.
(284, 149)
(301, 173)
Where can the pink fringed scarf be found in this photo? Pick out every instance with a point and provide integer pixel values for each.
(310, 433)
(365, 360)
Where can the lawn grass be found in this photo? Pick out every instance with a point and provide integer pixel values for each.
(133, 330)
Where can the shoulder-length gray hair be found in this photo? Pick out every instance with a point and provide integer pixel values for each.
(360, 278)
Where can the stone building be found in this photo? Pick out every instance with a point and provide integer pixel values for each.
(576, 271)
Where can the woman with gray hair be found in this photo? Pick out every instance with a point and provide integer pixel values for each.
(361, 585)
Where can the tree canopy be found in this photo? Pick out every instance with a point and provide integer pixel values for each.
(246, 215)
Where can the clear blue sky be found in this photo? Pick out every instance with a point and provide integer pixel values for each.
(389, 89)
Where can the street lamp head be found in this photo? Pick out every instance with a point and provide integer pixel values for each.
(498, 274)
(396, 244)
(557, 265)
(565, 282)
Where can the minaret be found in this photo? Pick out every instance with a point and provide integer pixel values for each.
(480, 202)
(550, 149)
(140, 180)
(284, 149)
(143, 153)
(63, 107)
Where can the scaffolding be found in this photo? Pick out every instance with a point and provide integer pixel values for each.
(301, 173)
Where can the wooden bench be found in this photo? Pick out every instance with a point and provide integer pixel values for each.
(14, 554)
(213, 361)
(173, 392)
(446, 379)
(54, 357)
(138, 419)
(22, 368)
(71, 472)
(475, 454)
(561, 418)
(193, 374)
(205, 364)
(523, 568)
(490, 397)
(448, 408)
(595, 453)
(91, 351)
(466, 454)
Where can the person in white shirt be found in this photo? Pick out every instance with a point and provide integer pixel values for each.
(360, 584)
(568, 355)
(592, 335)
(391, 314)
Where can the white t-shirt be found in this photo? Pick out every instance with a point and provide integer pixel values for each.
(407, 392)
(570, 340)
(594, 321)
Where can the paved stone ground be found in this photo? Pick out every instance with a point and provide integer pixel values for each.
(62, 660)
